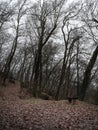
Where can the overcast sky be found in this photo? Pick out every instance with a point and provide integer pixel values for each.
(69, 1)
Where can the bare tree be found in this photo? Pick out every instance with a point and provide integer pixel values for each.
(46, 23)
(5, 12)
(91, 29)
(69, 45)
(15, 42)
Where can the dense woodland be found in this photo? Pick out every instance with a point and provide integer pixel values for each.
(50, 47)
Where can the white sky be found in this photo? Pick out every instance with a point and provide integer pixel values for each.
(41, 2)
(69, 1)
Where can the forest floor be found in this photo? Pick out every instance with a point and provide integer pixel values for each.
(37, 114)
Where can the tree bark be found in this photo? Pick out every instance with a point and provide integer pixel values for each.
(37, 70)
(87, 74)
(9, 60)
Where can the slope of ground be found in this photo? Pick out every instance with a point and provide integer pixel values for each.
(10, 91)
(13, 92)
(16, 114)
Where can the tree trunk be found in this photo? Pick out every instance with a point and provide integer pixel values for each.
(87, 74)
(9, 60)
(61, 77)
(23, 67)
(77, 61)
(37, 64)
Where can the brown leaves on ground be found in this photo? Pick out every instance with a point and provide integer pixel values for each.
(47, 115)
(37, 114)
